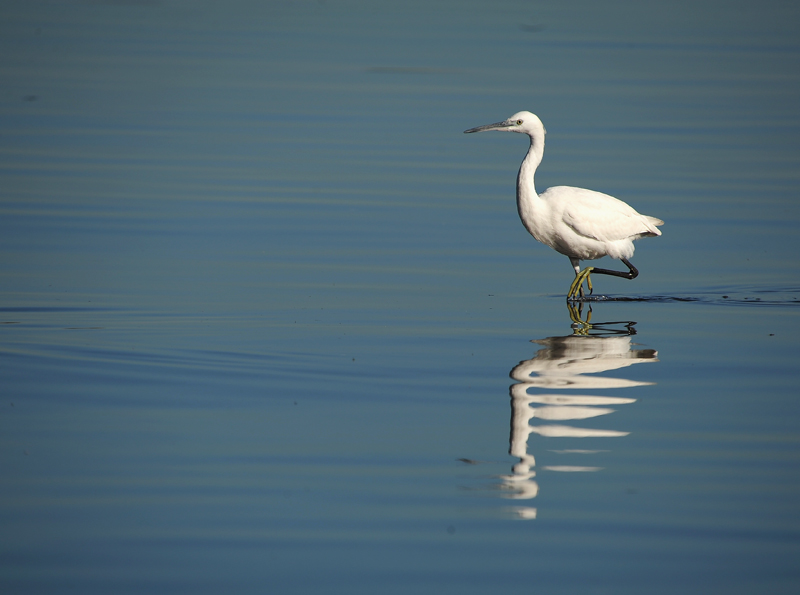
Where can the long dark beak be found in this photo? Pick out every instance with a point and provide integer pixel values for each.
(495, 126)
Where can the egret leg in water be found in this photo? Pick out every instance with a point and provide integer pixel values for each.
(578, 223)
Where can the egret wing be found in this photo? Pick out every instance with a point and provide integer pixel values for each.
(602, 217)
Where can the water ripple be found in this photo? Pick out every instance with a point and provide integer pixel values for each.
(736, 296)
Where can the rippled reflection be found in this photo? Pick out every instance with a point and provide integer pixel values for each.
(567, 363)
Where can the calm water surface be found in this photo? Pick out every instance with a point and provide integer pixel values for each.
(270, 322)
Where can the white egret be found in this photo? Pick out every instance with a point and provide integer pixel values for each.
(578, 223)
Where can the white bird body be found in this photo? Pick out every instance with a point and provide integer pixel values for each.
(583, 224)
(578, 223)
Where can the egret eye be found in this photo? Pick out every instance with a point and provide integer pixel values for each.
(519, 122)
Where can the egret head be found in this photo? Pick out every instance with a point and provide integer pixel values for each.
(524, 122)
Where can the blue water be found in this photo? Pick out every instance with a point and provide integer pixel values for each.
(270, 323)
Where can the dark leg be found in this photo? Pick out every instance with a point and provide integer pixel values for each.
(631, 274)
(576, 288)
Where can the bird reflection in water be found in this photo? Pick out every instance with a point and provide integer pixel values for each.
(568, 363)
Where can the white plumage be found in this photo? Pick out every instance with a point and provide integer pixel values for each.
(578, 223)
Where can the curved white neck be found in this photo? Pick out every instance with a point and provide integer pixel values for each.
(526, 189)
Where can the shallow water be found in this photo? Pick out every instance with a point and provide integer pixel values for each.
(270, 321)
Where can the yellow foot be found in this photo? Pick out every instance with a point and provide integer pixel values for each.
(576, 289)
